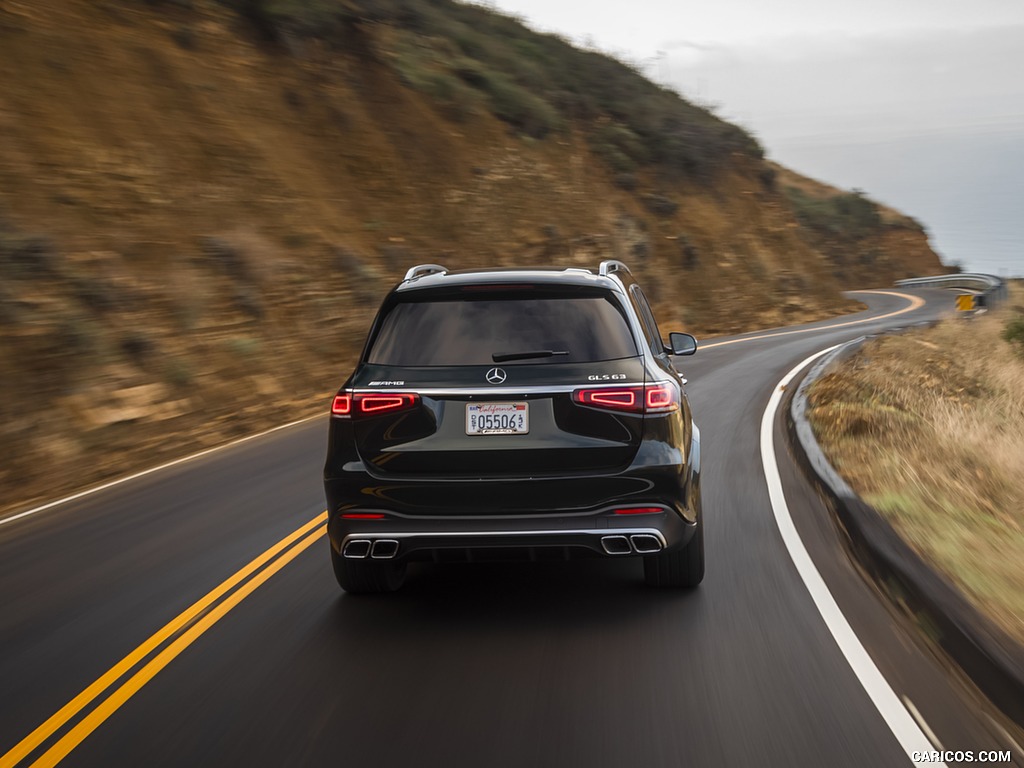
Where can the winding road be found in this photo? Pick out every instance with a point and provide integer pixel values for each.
(189, 617)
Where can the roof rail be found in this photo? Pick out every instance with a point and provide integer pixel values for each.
(425, 269)
(612, 265)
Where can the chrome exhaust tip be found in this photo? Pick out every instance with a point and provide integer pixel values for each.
(645, 543)
(356, 549)
(616, 545)
(384, 549)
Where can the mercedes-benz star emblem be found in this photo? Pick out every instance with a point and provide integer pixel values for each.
(496, 376)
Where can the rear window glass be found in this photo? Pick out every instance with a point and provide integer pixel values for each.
(460, 332)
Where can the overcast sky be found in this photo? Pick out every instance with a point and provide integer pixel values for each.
(918, 102)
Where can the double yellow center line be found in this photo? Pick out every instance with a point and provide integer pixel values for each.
(174, 637)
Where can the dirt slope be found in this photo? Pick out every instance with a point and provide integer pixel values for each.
(196, 226)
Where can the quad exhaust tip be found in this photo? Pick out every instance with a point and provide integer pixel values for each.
(640, 543)
(378, 549)
(616, 545)
(384, 549)
(645, 543)
(357, 549)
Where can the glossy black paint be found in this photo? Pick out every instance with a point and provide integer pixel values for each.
(422, 472)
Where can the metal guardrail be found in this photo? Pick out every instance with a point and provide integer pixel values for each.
(991, 290)
(992, 659)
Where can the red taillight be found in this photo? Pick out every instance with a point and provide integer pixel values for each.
(372, 403)
(384, 403)
(638, 511)
(652, 398)
(342, 405)
(661, 397)
(363, 516)
(619, 398)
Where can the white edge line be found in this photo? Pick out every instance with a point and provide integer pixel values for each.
(151, 470)
(919, 719)
(900, 722)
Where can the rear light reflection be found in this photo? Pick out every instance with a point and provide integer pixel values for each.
(372, 403)
(639, 511)
(650, 398)
(363, 516)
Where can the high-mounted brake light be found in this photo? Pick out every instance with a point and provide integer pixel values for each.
(651, 398)
(372, 403)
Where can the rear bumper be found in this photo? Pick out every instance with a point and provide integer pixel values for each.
(427, 518)
(602, 534)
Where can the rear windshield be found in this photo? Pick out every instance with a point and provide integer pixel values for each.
(459, 332)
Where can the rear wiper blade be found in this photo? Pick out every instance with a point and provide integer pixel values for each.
(526, 355)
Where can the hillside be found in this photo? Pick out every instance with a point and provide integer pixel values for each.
(201, 204)
(863, 242)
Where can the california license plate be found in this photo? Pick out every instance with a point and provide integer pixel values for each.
(497, 418)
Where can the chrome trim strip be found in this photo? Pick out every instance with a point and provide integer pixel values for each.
(504, 391)
(598, 532)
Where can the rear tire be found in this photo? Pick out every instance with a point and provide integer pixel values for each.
(363, 577)
(679, 568)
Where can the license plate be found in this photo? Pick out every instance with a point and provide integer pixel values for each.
(497, 418)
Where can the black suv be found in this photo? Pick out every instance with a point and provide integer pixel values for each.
(526, 413)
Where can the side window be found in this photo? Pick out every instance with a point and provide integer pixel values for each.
(650, 324)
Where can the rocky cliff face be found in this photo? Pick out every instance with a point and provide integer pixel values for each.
(197, 219)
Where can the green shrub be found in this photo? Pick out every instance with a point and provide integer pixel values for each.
(624, 141)
(660, 205)
(418, 68)
(1013, 334)
(614, 158)
(850, 215)
(137, 346)
(626, 181)
(24, 255)
(535, 82)
(179, 372)
(244, 347)
(521, 109)
(689, 255)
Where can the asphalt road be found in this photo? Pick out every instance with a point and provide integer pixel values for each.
(482, 665)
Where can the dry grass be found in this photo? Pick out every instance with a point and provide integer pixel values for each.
(929, 428)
